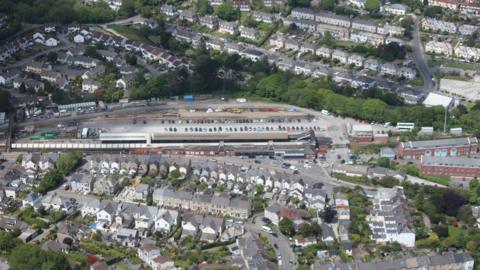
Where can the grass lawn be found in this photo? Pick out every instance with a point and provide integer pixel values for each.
(266, 27)
(418, 81)
(345, 44)
(454, 231)
(129, 33)
(92, 247)
(78, 257)
(121, 266)
(443, 180)
(454, 77)
(453, 64)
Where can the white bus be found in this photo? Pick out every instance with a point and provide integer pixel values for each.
(267, 229)
(405, 126)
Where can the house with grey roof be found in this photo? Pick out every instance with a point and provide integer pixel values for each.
(106, 184)
(249, 33)
(209, 21)
(191, 224)
(379, 172)
(57, 203)
(106, 212)
(141, 192)
(7, 77)
(364, 25)
(127, 237)
(188, 15)
(82, 183)
(167, 219)
(33, 199)
(211, 228)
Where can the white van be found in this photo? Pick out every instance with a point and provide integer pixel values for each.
(267, 229)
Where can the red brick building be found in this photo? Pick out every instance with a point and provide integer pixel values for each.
(450, 166)
(456, 147)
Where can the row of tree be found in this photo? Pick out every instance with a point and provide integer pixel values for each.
(59, 11)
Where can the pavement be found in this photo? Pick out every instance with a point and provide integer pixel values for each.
(429, 83)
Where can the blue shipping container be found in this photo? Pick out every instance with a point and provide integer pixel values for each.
(188, 98)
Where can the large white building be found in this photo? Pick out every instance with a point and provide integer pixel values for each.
(390, 219)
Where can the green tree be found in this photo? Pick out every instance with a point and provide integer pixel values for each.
(388, 181)
(19, 158)
(175, 174)
(52, 57)
(97, 236)
(51, 180)
(227, 11)
(328, 4)
(307, 230)
(473, 191)
(286, 227)
(67, 162)
(91, 51)
(441, 230)
(384, 162)
(273, 86)
(374, 109)
(372, 6)
(328, 215)
(32, 257)
(203, 7)
(131, 59)
(128, 8)
(8, 241)
(432, 11)
(68, 241)
(298, 3)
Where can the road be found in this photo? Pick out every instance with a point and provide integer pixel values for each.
(420, 59)
(284, 249)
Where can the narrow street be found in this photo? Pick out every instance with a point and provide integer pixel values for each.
(420, 59)
(255, 226)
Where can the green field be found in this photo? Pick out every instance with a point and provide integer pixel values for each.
(129, 33)
(442, 180)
